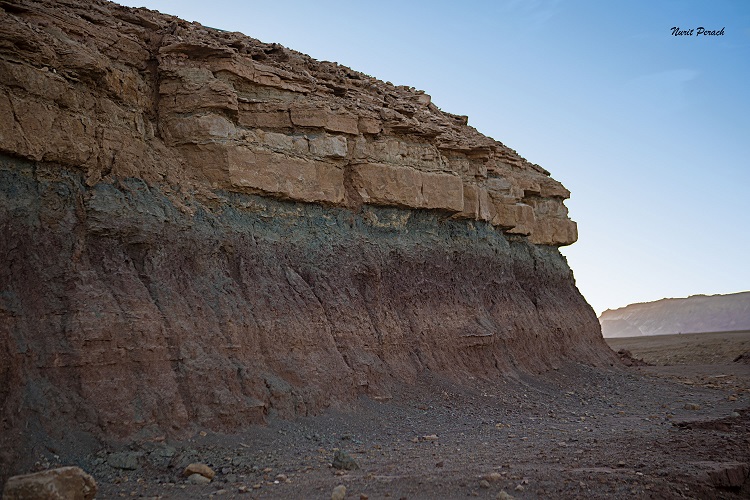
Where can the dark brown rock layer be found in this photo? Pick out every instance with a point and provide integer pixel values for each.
(122, 316)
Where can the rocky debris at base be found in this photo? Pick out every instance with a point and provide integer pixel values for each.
(625, 443)
(64, 483)
(627, 358)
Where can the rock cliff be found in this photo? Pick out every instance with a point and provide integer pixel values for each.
(694, 314)
(200, 228)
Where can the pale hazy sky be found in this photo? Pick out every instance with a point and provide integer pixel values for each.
(649, 131)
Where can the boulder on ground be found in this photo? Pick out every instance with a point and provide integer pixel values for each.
(64, 483)
(198, 468)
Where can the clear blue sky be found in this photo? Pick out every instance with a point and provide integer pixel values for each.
(649, 131)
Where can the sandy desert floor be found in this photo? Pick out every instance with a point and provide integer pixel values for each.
(679, 431)
(686, 349)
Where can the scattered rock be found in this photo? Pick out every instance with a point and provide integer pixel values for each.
(127, 460)
(692, 406)
(430, 437)
(198, 479)
(484, 484)
(339, 492)
(342, 460)
(282, 478)
(520, 488)
(493, 477)
(54, 484)
(627, 358)
(162, 456)
(198, 468)
(729, 475)
(504, 496)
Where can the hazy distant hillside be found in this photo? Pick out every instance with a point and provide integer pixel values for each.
(695, 314)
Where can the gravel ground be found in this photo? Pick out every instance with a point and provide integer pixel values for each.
(577, 432)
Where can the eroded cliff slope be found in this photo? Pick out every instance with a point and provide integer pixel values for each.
(200, 228)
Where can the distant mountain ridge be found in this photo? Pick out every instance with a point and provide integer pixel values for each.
(694, 314)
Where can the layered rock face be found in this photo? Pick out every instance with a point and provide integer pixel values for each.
(120, 92)
(695, 314)
(200, 228)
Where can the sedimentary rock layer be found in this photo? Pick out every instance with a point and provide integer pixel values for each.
(121, 312)
(202, 229)
(694, 314)
(122, 92)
